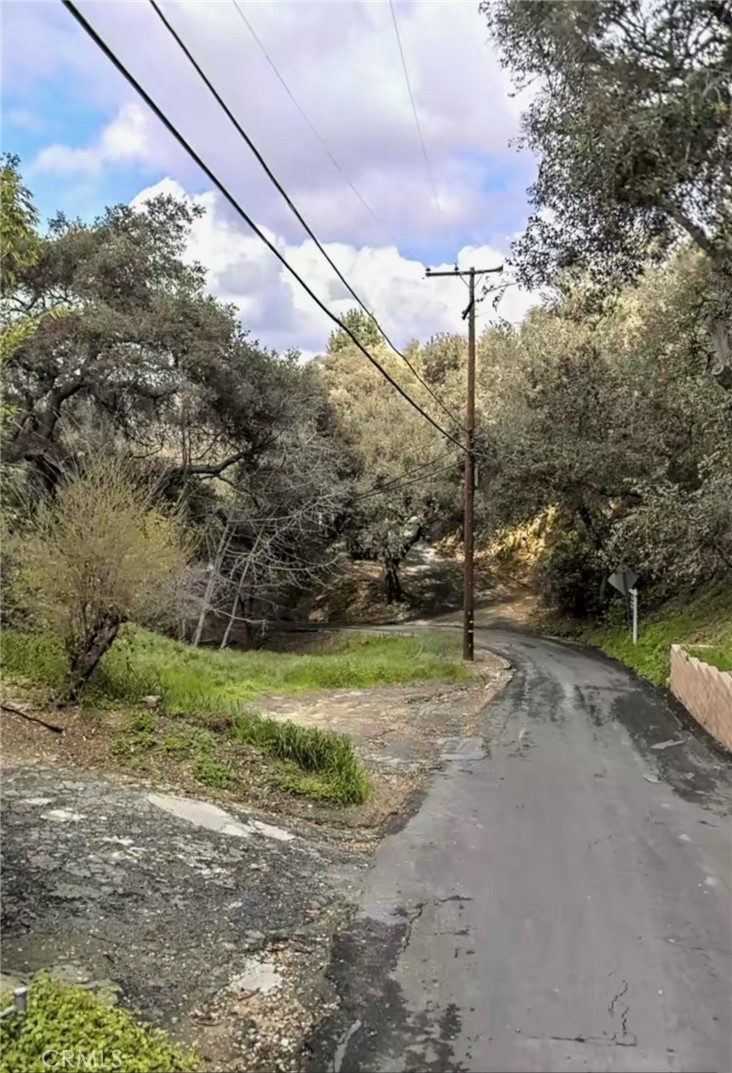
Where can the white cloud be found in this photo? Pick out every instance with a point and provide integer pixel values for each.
(124, 141)
(341, 61)
(281, 314)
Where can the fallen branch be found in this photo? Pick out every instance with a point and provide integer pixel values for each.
(33, 718)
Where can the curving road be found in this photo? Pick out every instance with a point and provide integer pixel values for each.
(562, 903)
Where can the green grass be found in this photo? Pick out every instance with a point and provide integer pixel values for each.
(316, 763)
(215, 689)
(705, 619)
(204, 679)
(61, 1018)
(716, 655)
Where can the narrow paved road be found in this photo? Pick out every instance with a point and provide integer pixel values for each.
(562, 904)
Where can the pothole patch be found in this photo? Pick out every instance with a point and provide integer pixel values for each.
(462, 749)
(258, 976)
(200, 814)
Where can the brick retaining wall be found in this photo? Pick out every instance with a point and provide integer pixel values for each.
(704, 691)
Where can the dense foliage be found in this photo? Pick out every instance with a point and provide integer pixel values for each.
(145, 367)
(612, 420)
(600, 417)
(597, 412)
(630, 117)
(386, 440)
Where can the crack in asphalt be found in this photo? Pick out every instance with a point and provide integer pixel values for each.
(342, 1047)
(413, 914)
(411, 918)
(624, 1020)
(616, 998)
(624, 1038)
(385, 972)
(600, 1041)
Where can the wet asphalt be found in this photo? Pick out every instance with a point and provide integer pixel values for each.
(562, 903)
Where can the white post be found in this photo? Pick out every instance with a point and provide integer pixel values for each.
(634, 613)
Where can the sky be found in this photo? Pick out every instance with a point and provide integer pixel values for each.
(359, 178)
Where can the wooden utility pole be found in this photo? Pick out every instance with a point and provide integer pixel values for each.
(469, 486)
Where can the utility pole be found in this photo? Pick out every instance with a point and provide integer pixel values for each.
(469, 486)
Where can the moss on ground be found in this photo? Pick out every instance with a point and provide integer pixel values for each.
(66, 1020)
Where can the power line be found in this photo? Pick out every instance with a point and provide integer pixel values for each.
(89, 29)
(399, 482)
(414, 108)
(322, 141)
(403, 484)
(303, 113)
(290, 204)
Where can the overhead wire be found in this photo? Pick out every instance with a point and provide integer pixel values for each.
(303, 113)
(400, 482)
(403, 484)
(290, 204)
(414, 108)
(172, 129)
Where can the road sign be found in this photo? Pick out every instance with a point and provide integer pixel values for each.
(623, 579)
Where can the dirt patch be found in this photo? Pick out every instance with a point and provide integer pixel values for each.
(396, 731)
(432, 580)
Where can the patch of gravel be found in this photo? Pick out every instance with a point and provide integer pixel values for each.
(171, 914)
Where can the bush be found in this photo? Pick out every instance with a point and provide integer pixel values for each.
(97, 555)
(64, 1018)
(212, 772)
(677, 538)
(570, 576)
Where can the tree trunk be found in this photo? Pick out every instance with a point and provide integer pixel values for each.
(393, 584)
(85, 659)
(230, 623)
(239, 588)
(211, 583)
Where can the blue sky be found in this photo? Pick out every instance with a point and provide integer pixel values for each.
(85, 140)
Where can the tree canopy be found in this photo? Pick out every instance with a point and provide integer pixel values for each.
(146, 366)
(597, 414)
(631, 119)
(361, 326)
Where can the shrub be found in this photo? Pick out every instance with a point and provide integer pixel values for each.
(64, 1018)
(570, 576)
(212, 772)
(178, 742)
(99, 554)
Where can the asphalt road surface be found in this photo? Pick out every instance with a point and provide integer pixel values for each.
(562, 903)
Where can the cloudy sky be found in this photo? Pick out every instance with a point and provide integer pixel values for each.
(361, 181)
